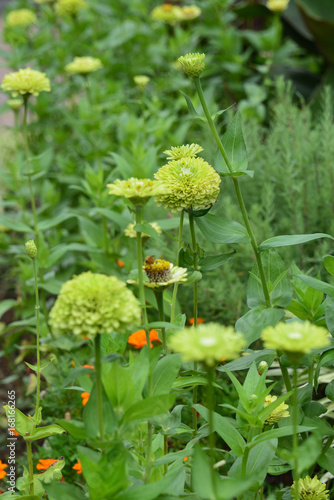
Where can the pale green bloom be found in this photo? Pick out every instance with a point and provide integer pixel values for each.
(277, 413)
(21, 17)
(167, 13)
(131, 233)
(310, 489)
(139, 191)
(192, 64)
(31, 249)
(187, 150)
(208, 343)
(190, 181)
(90, 304)
(15, 104)
(83, 65)
(189, 13)
(141, 81)
(69, 7)
(295, 338)
(162, 273)
(25, 81)
(277, 5)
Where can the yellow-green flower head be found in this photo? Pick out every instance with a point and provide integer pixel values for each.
(21, 17)
(162, 273)
(69, 7)
(277, 413)
(15, 104)
(131, 233)
(208, 343)
(166, 13)
(141, 81)
(310, 489)
(31, 249)
(189, 13)
(277, 5)
(191, 182)
(139, 191)
(295, 338)
(185, 151)
(90, 304)
(83, 65)
(192, 64)
(25, 81)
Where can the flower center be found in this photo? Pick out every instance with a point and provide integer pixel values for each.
(185, 171)
(295, 335)
(157, 271)
(208, 341)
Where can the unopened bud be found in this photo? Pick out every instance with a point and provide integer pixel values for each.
(57, 475)
(15, 104)
(192, 64)
(263, 366)
(31, 249)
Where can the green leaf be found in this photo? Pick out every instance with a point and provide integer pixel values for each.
(64, 491)
(327, 461)
(277, 433)
(329, 264)
(92, 232)
(191, 108)
(245, 362)
(322, 286)
(22, 424)
(220, 230)
(193, 278)
(287, 240)
(149, 407)
(90, 415)
(329, 314)
(74, 427)
(235, 147)
(213, 261)
(47, 475)
(225, 430)
(15, 225)
(43, 432)
(148, 229)
(165, 373)
(189, 382)
(55, 221)
(255, 320)
(326, 359)
(6, 305)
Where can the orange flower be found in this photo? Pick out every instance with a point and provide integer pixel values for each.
(73, 363)
(13, 432)
(44, 464)
(2, 472)
(138, 339)
(199, 321)
(85, 398)
(78, 467)
(89, 366)
(120, 263)
(185, 459)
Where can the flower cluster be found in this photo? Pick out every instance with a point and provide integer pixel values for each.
(171, 14)
(277, 5)
(69, 7)
(25, 82)
(138, 339)
(20, 17)
(295, 338)
(190, 181)
(208, 343)
(185, 151)
(162, 273)
(310, 489)
(83, 65)
(192, 64)
(90, 304)
(141, 81)
(131, 233)
(139, 191)
(279, 412)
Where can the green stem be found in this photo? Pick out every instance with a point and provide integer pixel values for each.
(31, 469)
(26, 147)
(165, 452)
(38, 364)
(294, 424)
(237, 190)
(105, 234)
(244, 468)
(285, 375)
(176, 285)
(210, 375)
(99, 383)
(194, 248)
(159, 295)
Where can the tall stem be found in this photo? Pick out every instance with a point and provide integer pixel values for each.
(285, 375)
(30, 468)
(159, 295)
(38, 364)
(294, 424)
(210, 375)
(176, 285)
(26, 147)
(237, 191)
(194, 248)
(99, 383)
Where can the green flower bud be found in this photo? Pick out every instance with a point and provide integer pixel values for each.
(57, 475)
(31, 249)
(192, 64)
(263, 366)
(15, 104)
(309, 489)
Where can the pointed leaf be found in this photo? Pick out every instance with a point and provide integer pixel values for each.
(220, 230)
(287, 240)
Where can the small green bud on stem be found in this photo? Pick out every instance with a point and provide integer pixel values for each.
(31, 249)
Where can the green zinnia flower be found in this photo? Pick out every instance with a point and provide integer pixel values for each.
(139, 191)
(83, 65)
(69, 7)
(131, 233)
(310, 489)
(277, 413)
(21, 17)
(178, 152)
(191, 183)
(90, 304)
(25, 81)
(296, 338)
(192, 64)
(208, 343)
